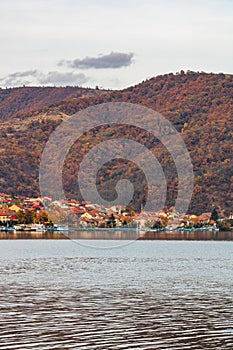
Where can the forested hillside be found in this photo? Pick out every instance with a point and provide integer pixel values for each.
(21, 101)
(199, 105)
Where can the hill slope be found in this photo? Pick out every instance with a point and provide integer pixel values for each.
(24, 100)
(199, 105)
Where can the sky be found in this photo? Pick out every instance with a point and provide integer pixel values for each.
(113, 44)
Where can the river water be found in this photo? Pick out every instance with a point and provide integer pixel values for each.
(72, 294)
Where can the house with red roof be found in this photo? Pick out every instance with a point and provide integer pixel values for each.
(5, 216)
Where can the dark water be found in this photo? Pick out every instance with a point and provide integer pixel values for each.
(59, 294)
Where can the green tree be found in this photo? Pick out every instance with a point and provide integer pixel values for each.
(21, 217)
(214, 215)
(113, 221)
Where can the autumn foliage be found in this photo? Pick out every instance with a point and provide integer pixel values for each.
(199, 105)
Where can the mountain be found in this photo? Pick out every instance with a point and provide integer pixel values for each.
(199, 105)
(16, 102)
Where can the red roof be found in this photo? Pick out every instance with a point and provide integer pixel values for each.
(72, 201)
(37, 206)
(4, 212)
(78, 211)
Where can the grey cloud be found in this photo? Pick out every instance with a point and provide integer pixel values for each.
(112, 60)
(15, 79)
(26, 73)
(63, 78)
(16, 82)
(36, 77)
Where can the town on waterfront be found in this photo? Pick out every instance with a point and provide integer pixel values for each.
(20, 213)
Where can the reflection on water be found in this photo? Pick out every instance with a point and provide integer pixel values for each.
(201, 235)
(147, 295)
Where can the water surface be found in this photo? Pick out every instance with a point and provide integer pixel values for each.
(61, 294)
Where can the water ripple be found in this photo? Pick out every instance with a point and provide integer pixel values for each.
(107, 302)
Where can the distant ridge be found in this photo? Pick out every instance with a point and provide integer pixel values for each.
(24, 100)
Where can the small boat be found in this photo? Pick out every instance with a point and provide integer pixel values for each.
(171, 228)
(30, 228)
(20, 227)
(58, 228)
(37, 228)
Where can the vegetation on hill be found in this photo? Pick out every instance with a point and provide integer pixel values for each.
(16, 102)
(199, 105)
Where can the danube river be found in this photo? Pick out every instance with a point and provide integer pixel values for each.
(89, 294)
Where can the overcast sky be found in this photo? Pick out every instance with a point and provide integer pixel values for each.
(111, 43)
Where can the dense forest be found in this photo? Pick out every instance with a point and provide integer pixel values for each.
(199, 105)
